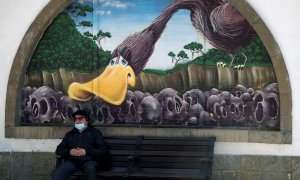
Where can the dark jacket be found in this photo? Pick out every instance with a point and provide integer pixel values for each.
(90, 139)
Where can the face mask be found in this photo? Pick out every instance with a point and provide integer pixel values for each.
(80, 126)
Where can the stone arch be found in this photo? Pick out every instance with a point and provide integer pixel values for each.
(50, 11)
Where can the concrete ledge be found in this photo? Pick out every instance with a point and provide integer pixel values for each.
(222, 135)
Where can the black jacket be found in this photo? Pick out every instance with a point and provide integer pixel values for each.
(90, 139)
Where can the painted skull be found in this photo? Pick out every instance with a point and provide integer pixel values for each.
(173, 107)
(104, 113)
(266, 108)
(149, 111)
(128, 112)
(42, 105)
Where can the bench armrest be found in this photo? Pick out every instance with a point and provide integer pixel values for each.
(59, 160)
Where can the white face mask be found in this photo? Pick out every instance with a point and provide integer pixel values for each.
(80, 126)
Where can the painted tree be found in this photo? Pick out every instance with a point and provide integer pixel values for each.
(181, 56)
(99, 37)
(194, 47)
(76, 10)
(85, 24)
(172, 55)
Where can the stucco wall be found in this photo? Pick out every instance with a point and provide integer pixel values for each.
(280, 17)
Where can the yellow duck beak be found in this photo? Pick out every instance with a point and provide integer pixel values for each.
(111, 85)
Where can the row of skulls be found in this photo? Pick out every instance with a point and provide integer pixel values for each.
(241, 107)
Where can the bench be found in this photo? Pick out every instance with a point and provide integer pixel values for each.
(157, 158)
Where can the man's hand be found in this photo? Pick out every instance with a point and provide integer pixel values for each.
(77, 152)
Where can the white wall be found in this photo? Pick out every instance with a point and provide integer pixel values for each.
(281, 17)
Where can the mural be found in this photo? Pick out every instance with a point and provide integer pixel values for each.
(174, 63)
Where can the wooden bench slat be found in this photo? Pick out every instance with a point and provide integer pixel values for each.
(169, 176)
(174, 160)
(173, 153)
(161, 153)
(172, 173)
(173, 165)
(121, 141)
(112, 174)
(162, 148)
(177, 147)
(120, 164)
(174, 142)
(122, 146)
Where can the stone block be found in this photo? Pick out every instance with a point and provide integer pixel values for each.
(281, 74)
(38, 177)
(228, 175)
(42, 163)
(216, 175)
(127, 131)
(60, 131)
(296, 173)
(248, 175)
(287, 137)
(295, 163)
(273, 137)
(295, 167)
(276, 176)
(261, 164)
(285, 113)
(48, 177)
(34, 132)
(228, 162)
(285, 164)
(21, 165)
(170, 132)
(5, 165)
(21, 176)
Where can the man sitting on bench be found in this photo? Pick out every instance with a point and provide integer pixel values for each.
(81, 148)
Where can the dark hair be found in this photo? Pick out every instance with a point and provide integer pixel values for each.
(81, 112)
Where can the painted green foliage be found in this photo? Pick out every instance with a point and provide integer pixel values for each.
(256, 52)
(63, 46)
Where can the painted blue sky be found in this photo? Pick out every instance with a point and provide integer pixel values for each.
(124, 17)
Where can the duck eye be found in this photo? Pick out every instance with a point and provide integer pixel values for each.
(124, 62)
(112, 62)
